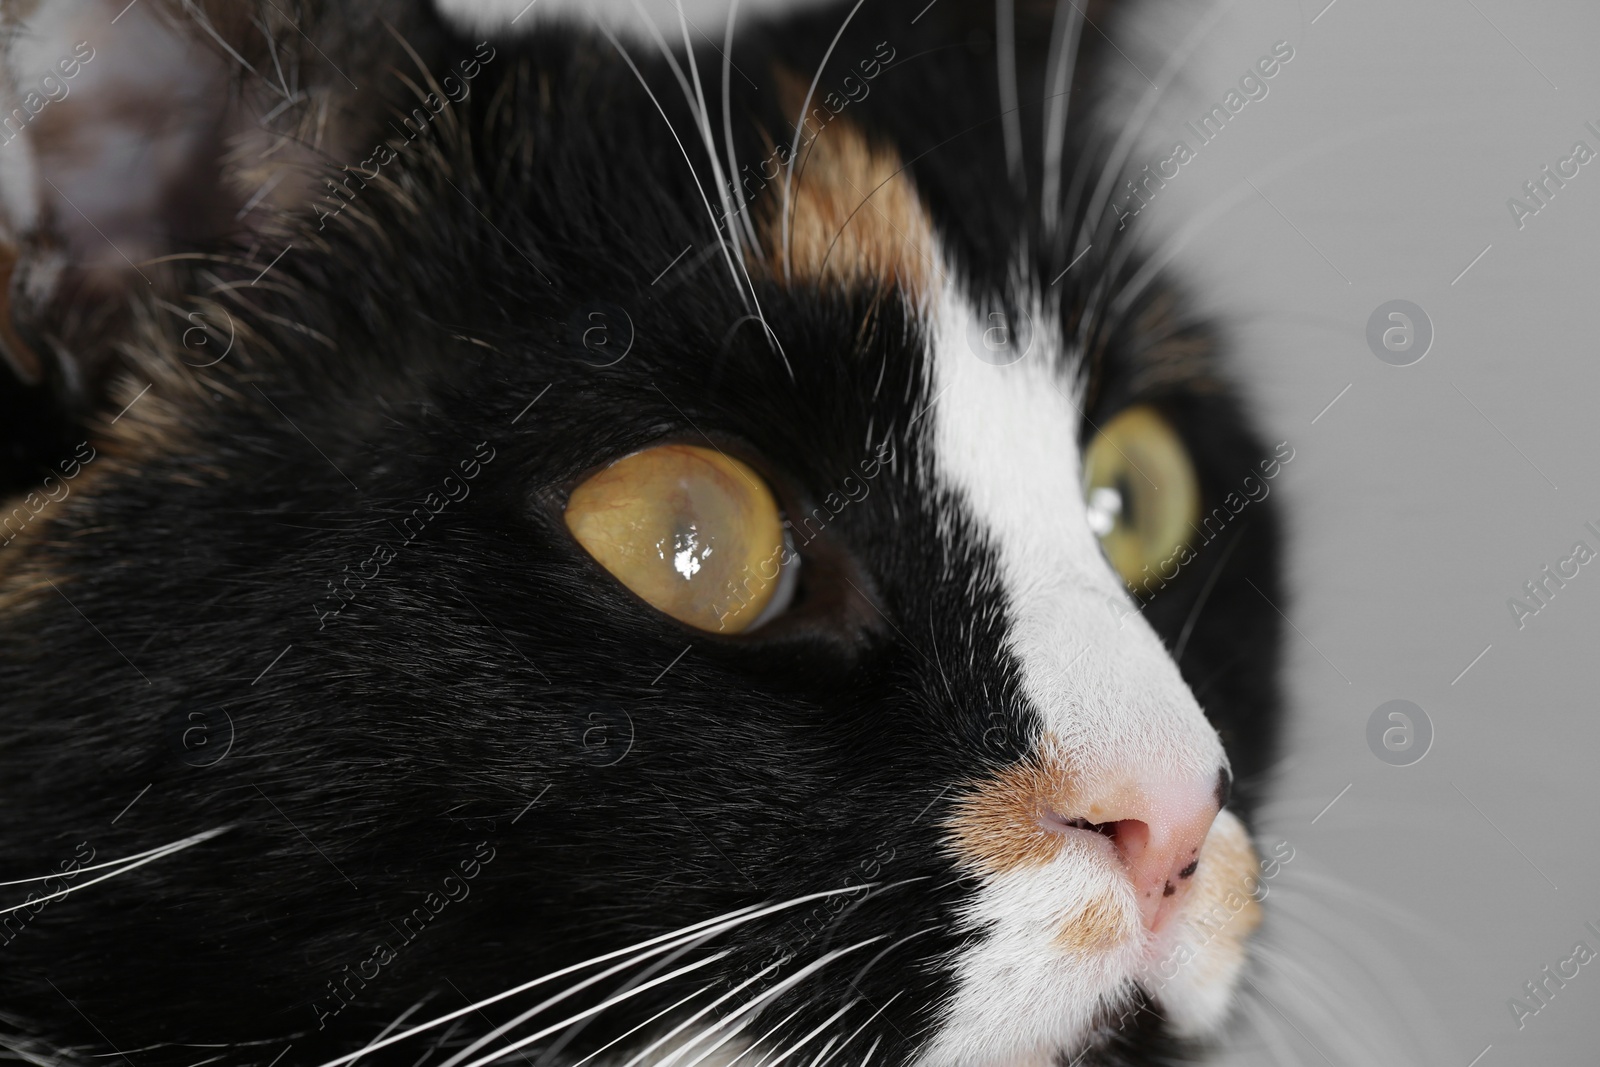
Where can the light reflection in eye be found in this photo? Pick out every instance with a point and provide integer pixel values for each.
(686, 560)
(1105, 505)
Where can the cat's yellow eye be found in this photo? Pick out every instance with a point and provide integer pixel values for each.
(1142, 493)
(695, 533)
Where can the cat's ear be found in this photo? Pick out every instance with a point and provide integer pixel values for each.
(132, 133)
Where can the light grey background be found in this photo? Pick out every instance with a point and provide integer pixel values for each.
(1423, 499)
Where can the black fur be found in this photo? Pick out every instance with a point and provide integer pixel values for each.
(491, 698)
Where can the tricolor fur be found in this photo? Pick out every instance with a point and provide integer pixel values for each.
(339, 545)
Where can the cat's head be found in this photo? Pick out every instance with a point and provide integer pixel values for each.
(578, 557)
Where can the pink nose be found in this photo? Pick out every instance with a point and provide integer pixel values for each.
(1159, 830)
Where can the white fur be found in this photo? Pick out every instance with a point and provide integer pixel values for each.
(1022, 997)
(1004, 444)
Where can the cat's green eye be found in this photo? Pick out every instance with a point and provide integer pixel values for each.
(1143, 494)
(694, 533)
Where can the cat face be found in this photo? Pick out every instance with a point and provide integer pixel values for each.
(583, 578)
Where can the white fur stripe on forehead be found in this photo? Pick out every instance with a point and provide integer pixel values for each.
(1113, 710)
(1005, 441)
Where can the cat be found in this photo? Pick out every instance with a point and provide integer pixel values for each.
(587, 544)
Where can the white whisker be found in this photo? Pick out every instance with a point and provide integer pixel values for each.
(438, 1043)
(762, 1040)
(820, 1062)
(727, 921)
(699, 186)
(398, 1022)
(728, 208)
(548, 1054)
(161, 853)
(524, 1042)
(645, 1053)
(888, 949)
(755, 1006)
(794, 148)
(727, 128)
(28, 1057)
(1062, 63)
(820, 1027)
(1138, 123)
(571, 990)
(668, 1010)
(695, 98)
(823, 1051)
(110, 863)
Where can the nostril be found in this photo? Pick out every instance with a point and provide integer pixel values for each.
(1054, 820)
(1132, 837)
(1160, 840)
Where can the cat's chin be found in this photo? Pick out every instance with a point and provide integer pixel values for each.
(1019, 1006)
